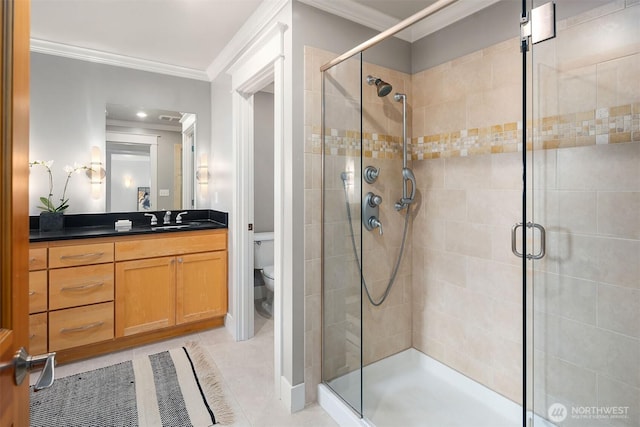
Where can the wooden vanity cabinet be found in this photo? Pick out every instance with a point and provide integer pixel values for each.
(81, 293)
(201, 286)
(171, 280)
(93, 296)
(145, 295)
(38, 299)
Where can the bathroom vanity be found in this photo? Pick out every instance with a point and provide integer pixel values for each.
(93, 289)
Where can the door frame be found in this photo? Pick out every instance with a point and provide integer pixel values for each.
(14, 204)
(261, 64)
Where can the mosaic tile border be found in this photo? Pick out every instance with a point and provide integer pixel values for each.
(595, 127)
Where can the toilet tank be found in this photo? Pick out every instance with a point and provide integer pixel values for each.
(262, 249)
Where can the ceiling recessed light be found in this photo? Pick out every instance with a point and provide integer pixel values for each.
(141, 114)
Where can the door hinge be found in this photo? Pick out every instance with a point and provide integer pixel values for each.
(525, 33)
(538, 27)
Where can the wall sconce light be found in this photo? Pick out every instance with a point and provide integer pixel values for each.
(202, 173)
(96, 172)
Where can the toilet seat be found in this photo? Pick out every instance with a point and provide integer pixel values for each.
(268, 272)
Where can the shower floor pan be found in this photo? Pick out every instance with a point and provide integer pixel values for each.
(410, 389)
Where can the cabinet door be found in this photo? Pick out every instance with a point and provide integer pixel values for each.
(201, 287)
(38, 333)
(145, 295)
(37, 291)
(79, 326)
(76, 286)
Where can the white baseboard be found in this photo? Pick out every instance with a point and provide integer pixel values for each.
(230, 325)
(292, 396)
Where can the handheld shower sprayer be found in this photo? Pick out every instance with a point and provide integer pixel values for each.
(407, 174)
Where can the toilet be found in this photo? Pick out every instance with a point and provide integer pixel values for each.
(263, 260)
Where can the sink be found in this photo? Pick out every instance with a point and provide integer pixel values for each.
(168, 227)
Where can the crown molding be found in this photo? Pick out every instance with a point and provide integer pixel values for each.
(360, 14)
(250, 30)
(91, 55)
(377, 20)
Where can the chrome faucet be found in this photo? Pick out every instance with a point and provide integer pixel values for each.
(179, 217)
(167, 218)
(154, 220)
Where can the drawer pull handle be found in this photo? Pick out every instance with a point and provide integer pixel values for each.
(32, 293)
(81, 328)
(32, 260)
(32, 336)
(82, 287)
(83, 256)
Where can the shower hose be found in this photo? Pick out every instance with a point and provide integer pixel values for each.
(355, 251)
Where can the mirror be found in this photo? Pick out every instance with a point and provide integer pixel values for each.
(147, 152)
(75, 103)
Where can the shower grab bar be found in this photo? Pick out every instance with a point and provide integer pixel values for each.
(543, 241)
(427, 11)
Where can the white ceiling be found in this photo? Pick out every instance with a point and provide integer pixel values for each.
(184, 33)
(185, 37)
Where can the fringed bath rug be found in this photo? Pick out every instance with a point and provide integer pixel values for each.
(179, 387)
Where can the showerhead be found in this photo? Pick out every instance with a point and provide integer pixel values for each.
(382, 87)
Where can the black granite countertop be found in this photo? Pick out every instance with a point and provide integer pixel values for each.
(86, 226)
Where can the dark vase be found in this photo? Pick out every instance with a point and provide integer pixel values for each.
(51, 221)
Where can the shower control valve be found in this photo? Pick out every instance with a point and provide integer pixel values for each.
(374, 200)
(375, 223)
(370, 174)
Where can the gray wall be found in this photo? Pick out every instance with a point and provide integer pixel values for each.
(263, 152)
(67, 113)
(489, 26)
(313, 27)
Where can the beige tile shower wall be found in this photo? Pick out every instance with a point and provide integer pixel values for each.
(466, 282)
(469, 106)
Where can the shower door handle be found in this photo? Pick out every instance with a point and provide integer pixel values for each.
(514, 249)
(543, 240)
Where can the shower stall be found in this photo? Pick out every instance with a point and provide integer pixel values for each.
(481, 220)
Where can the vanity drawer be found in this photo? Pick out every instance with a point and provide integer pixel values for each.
(37, 259)
(72, 287)
(37, 291)
(71, 256)
(78, 326)
(185, 243)
(38, 333)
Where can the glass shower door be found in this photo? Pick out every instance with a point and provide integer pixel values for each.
(341, 305)
(584, 188)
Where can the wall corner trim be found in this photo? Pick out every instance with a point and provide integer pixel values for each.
(244, 38)
(230, 325)
(292, 396)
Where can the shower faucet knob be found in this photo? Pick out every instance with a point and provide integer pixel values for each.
(375, 223)
(374, 200)
(370, 174)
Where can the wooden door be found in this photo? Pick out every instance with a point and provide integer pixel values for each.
(201, 286)
(145, 295)
(14, 205)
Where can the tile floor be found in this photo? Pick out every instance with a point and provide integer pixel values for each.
(246, 368)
